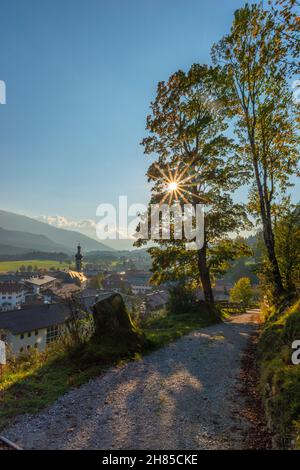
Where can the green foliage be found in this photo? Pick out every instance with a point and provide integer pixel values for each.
(176, 263)
(280, 379)
(258, 99)
(97, 281)
(242, 292)
(287, 249)
(165, 327)
(182, 299)
(286, 16)
(287, 243)
(221, 254)
(79, 325)
(186, 135)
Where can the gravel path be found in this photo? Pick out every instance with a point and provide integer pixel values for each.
(183, 396)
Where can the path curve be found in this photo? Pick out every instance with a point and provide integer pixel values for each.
(183, 396)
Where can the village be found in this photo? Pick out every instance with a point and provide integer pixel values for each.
(34, 306)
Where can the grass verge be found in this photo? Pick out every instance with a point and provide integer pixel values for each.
(36, 380)
(279, 378)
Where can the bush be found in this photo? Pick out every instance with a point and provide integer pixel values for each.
(292, 326)
(242, 292)
(280, 379)
(182, 299)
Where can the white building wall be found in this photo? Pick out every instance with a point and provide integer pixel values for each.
(35, 341)
(14, 299)
(16, 342)
(140, 289)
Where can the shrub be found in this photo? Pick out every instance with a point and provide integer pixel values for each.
(182, 299)
(280, 379)
(242, 292)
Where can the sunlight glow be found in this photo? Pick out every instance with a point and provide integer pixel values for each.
(172, 186)
(177, 183)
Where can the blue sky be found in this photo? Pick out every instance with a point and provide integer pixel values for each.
(80, 77)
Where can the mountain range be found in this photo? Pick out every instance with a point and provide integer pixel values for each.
(20, 234)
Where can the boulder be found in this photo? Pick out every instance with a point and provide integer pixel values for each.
(113, 322)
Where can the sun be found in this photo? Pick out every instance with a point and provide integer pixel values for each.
(176, 183)
(172, 186)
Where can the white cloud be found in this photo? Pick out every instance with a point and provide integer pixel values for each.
(88, 227)
(63, 222)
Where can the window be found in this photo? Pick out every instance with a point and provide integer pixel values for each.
(22, 336)
(36, 332)
(3, 337)
(29, 334)
(36, 345)
(52, 333)
(21, 350)
(28, 347)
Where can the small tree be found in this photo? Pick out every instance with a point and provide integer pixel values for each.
(242, 292)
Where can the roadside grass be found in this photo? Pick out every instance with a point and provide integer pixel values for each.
(280, 379)
(38, 379)
(165, 328)
(40, 263)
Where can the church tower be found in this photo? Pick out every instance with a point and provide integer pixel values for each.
(78, 259)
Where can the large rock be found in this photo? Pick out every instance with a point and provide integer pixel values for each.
(112, 321)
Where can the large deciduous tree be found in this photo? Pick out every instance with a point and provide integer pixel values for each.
(186, 137)
(259, 101)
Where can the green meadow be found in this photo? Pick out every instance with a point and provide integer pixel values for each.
(39, 263)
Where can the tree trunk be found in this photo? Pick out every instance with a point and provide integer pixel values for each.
(204, 275)
(265, 212)
(270, 246)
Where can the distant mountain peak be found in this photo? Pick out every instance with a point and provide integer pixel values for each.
(66, 239)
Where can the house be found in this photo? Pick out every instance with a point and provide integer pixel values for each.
(221, 289)
(89, 299)
(157, 299)
(12, 295)
(36, 326)
(71, 277)
(76, 277)
(36, 284)
(140, 290)
(60, 292)
(138, 280)
(116, 282)
(32, 327)
(91, 271)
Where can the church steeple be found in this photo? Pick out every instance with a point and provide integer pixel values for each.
(78, 259)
